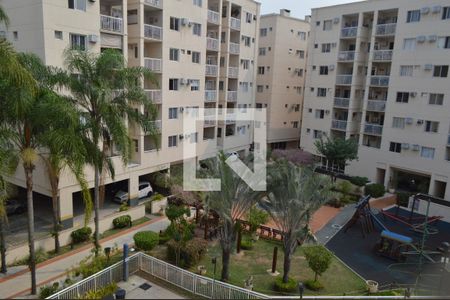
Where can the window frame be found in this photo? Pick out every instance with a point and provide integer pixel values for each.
(413, 16)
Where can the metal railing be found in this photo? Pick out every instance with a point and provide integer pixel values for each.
(153, 32)
(339, 124)
(341, 102)
(376, 105)
(211, 70)
(235, 24)
(210, 96)
(154, 95)
(233, 72)
(383, 55)
(234, 48)
(155, 3)
(379, 80)
(373, 129)
(349, 32)
(111, 23)
(346, 56)
(212, 44)
(232, 96)
(344, 79)
(386, 29)
(213, 17)
(153, 64)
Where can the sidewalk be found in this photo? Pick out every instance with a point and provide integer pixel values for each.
(19, 284)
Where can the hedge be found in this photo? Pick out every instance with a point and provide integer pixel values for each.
(146, 240)
(289, 287)
(81, 235)
(375, 190)
(122, 222)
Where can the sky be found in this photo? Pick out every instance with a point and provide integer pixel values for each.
(299, 8)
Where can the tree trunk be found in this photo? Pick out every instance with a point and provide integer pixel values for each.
(286, 266)
(96, 211)
(315, 277)
(32, 262)
(3, 245)
(226, 253)
(56, 223)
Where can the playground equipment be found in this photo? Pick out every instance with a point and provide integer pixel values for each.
(365, 216)
(393, 245)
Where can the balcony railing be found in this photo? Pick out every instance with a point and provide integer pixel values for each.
(212, 44)
(379, 80)
(234, 48)
(344, 79)
(154, 95)
(154, 125)
(232, 96)
(209, 123)
(341, 102)
(346, 56)
(376, 105)
(373, 129)
(233, 72)
(386, 29)
(213, 17)
(155, 3)
(235, 24)
(111, 23)
(339, 124)
(349, 32)
(211, 70)
(153, 32)
(210, 96)
(231, 118)
(154, 64)
(382, 55)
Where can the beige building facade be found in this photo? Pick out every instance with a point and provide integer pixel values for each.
(281, 76)
(378, 72)
(203, 53)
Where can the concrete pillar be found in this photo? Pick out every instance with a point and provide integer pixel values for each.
(66, 208)
(133, 190)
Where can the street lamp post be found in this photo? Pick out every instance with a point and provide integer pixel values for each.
(301, 289)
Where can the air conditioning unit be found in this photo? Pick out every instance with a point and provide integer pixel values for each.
(415, 147)
(190, 24)
(405, 146)
(336, 20)
(181, 137)
(424, 10)
(428, 67)
(413, 94)
(92, 38)
(409, 120)
(327, 112)
(182, 81)
(436, 9)
(432, 38)
(419, 122)
(184, 21)
(181, 109)
(421, 39)
(331, 67)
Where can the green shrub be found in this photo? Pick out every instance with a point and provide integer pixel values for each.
(375, 190)
(359, 181)
(124, 207)
(246, 243)
(157, 197)
(109, 289)
(48, 290)
(318, 258)
(403, 199)
(81, 235)
(289, 287)
(163, 238)
(313, 285)
(191, 252)
(146, 240)
(122, 222)
(344, 187)
(91, 265)
(257, 217)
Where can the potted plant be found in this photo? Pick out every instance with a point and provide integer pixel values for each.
(372, 286)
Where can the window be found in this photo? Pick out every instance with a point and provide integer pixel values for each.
(431, 126)
(261, 70)
(302, 35)
(402, 97)
(427, 152)
(321, 92)
(300, 73)
(197, 3)
(413, 16)
(444, 42)
(446, 13)
(299, 90)
(58, 35)
(327, 24)
(77, 4)
(173, 113)
(175, 23)
(262, 51)
(245, 64)
(317, 134)
(263, 32)
(320, 113)
(78, 41)
(197, 29)
(195, 57)
(395, 147)
(317, 23)
(409, 44)
(440, 71)
(326, 48)
(174, 54)
(248, 17)
(16, 35)
(173, 84)
(398, 122)
(323, 70)
(406, 71)
(194, 137)
(301, 53)
(246, 40)
(195, 84)
(244, 86)
(436, 99)
(173, 141)
(295, 124)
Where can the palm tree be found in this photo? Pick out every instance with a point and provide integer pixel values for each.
(294, 194)
(108, 92)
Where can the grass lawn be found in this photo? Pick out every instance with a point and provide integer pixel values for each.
(114, 231)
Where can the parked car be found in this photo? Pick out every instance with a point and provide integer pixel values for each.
(14, 206)
(145, 190)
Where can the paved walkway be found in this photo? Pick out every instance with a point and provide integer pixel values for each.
(18, 284)
(335, 224)
(135, 290)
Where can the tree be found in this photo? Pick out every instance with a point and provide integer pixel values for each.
(256, 217)
(337, 151)
(294, 194)
(318, 258)
(231, 203)
(108, 93)
(179, 229)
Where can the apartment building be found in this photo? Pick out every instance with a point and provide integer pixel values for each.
(378, 72)
(202, 52)
(281, 76)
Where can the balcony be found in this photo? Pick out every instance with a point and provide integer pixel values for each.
(233, 72)
(382, 55)
(213, 17)
(211, 70)
(154, 3)
(339, 125)
(379, 80)
(210, 96)
(154, 125)
(234, 48)
(386, 29)
(235, 24)
(341, 102)
(153, 32)
(373, 129)
(112, 24)
(154, 95)
(232, 96)
(344, 79)
(154, 64)
(376, 105)
(349, 32)
(212, 44)
(230, 118)
(209, 123)
(346, 56)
